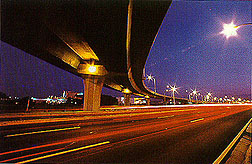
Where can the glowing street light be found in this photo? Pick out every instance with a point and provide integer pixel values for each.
(215, 98)
(92, 69)
(151, 78)
(195, 93)
(165, 91)
(208, 96)
(126, 90)
(173, 89)
(231, 29)
(202, 96)
(189, 95)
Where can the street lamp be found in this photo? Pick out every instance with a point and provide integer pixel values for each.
(208, 96)
(173, 89)
(215, 99)
(92, 69)
(231, 29)
(166, 90)
(189, 95)
(202, 97)
(151, 78)
(126, 90)
(195, 92)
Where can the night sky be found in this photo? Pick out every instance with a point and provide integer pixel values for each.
(189, 51)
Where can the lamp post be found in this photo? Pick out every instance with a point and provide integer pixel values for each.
(189, 95)
(231, 29)
(165, 91)
(151, 78)
(195, 93)
(202, 97)
(173, 89)
(127, 93)
(208, 96)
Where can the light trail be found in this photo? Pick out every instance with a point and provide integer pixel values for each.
(167, 116)
(43, 131)
(64, 152)
(170, 111)
(30, 155)
(197, 120)
(148, 129)
(177, 106)
(142, 137)
(36, 147)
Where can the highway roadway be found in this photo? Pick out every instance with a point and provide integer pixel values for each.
(178, 134)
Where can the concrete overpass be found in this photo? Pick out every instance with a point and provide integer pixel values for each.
(105, 42)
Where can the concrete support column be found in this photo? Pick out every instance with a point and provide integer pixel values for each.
(165, 101)
(127, 99)
(148, 101)
(94, 76)
(92, 92)
(147, 98)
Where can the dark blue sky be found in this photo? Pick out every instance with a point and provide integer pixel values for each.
(188, 52)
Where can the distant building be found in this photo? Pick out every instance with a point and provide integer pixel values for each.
(73, 95)
(136, 100)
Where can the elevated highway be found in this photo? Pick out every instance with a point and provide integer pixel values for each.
(104, 42)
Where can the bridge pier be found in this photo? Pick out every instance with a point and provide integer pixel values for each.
(165, 101)
(147, 98)
(93, 79)
(92, 92)
(127, 95)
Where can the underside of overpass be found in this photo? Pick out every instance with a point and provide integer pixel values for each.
(105, 42)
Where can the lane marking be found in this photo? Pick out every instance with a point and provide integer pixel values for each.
(180, 110)
(30, 148)
(43, 131)
(30, 155)
(197, 120)
(64, 152)
(36, 154)
(166, 116)
(224, 153)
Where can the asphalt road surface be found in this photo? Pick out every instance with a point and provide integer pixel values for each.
(183, 134)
